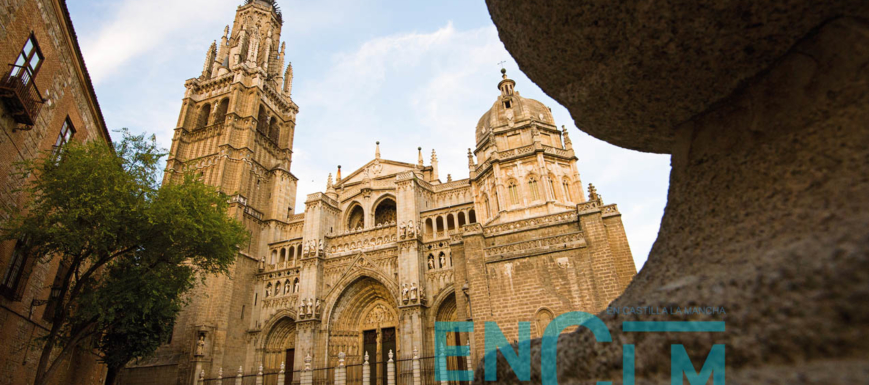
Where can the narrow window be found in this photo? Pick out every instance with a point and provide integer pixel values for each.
(507, 104)
(28, 62)
(66, 133)
(514, 194)
(51, 306)
(532, 186)
(552, 187)
(566, 187)
(14, 273)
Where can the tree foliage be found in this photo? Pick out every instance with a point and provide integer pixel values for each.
(131, 246)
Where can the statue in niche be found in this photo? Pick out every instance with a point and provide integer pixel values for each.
(443, 261)
(413, 292)
(317, 308)
(306, 250)
(302, 309)
(410, 229)
(402, 231)
(310, 307)
(404, 293)
(320, 247)
(431, 265)
(296, 286)
(200, 345)
(268, 290)
(287, 287)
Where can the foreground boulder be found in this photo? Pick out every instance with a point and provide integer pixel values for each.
(764, 107)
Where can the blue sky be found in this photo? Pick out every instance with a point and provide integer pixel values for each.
(405, 73)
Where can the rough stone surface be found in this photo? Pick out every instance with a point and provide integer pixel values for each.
(629, 72)
(766, 216)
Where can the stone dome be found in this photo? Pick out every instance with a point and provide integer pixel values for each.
(511, 106)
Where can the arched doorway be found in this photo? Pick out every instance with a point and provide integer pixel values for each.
(279, 347)
(364, 319)
(447, 313)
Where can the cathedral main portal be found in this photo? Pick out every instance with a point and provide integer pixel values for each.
(364, 320)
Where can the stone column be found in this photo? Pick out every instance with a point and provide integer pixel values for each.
(220, 376)
(201, 378)
(282, 375)
(417, 379)
(341, 371)
(259, 376)
(238, 377)
(390, 370)
(366, 371)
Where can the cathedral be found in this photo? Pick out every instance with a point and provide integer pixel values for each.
(388, 248)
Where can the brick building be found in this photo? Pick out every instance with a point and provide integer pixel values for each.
(388, 249)
(47, 99)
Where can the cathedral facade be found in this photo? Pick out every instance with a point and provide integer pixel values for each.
(388, 249)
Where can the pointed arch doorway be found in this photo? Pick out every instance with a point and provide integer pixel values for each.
(280, 347)
(364, 319)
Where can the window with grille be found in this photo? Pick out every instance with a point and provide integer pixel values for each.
(514, 194)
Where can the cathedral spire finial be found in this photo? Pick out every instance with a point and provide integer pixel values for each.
(377, 150)
(419, 161)
(338, 177)
(470, 159)
(567, 143)
(329, 182)
(592, 193)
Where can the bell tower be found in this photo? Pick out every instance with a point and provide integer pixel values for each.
(235, 131)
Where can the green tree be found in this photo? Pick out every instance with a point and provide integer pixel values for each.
(103, 212)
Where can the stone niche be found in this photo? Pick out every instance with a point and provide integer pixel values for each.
(764, 107)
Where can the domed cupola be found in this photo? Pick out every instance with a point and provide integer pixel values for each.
(511, 109)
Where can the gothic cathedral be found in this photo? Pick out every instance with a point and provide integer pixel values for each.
(388, 249)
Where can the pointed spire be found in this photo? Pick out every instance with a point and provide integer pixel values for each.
(209, 60)
(592, 193)
(288, 79)
(567, 143)
(377, 151)
(419, 161)
(434, 165)
(449, 178)
(329, 182)
(338, 177)
(470, 159)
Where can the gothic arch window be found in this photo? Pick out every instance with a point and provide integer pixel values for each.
(220, 113)
(202, 121)
(283, 257)
(451, 222)
(565, 185)
(262, 120)
(513, 191)
(472, 216)
(497, 201)
(551, 180)
(542, 320)
(533, 189)
(439, 222)
(486, 213)
(385, 213)
(274, 129)
(356, 219)
(292, 254)
(429, 229)
(461, 218)
(274, 257)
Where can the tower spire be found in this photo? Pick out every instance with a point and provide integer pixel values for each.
(434, 165)
(377, 151)
(419, 162)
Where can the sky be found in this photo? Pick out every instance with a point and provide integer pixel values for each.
(406, 73)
